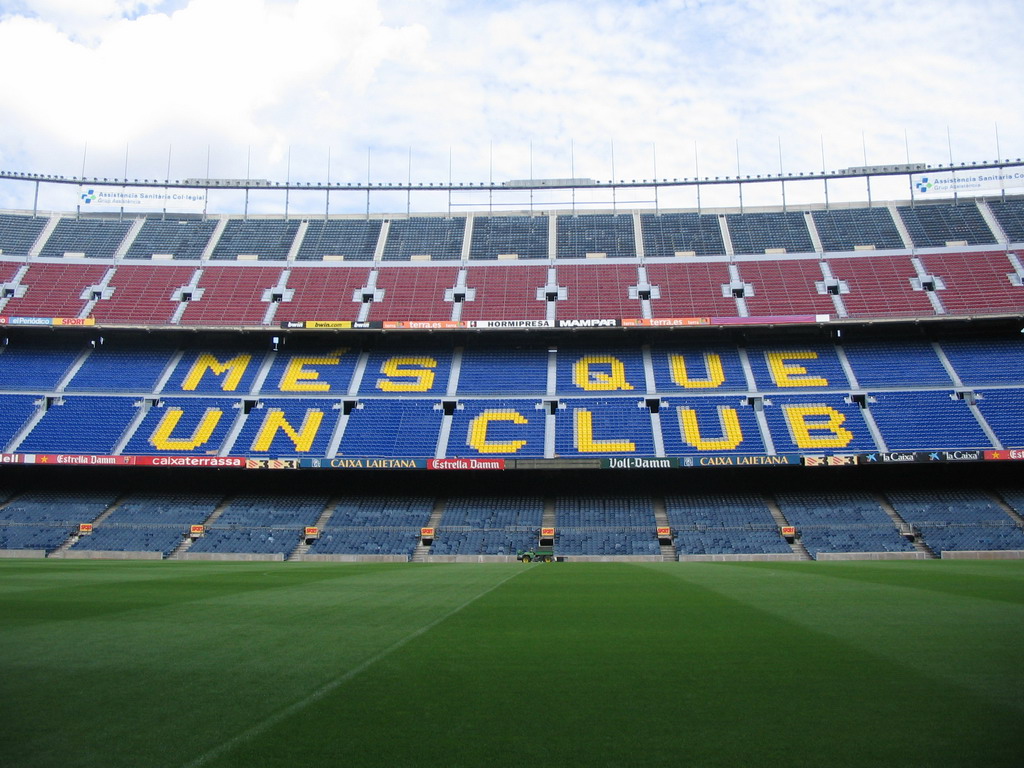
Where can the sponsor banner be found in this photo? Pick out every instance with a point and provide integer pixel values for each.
(85, 528)
(664, 322)
(141, 198)
(976, 455)
(312, 532)
(236, 462)
(1014, 454)
(664, 532)
(547, 533)
(424, 325)
(271, 463)
(639, 462)
(78, 459)
(4, 320)
(12, 458)
(588, 323)
(363, 463)
(510, 324)
(331, 324)
(197, 530)
(465, 463)
(327, 324)
(788, 530)
(949, 183)
(842, 460)
(426, 533)
(890, 458)
(754, 460)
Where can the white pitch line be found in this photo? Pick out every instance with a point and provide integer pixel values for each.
(334, 684)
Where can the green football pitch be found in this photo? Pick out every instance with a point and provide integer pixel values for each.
(292, 664)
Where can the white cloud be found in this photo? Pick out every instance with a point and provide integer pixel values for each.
(486, 80)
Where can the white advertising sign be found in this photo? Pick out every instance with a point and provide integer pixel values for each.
(140, 199)
(967, 181)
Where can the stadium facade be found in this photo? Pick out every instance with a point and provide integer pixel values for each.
(796, 382)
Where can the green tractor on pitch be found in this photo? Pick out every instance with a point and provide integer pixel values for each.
(538, 554)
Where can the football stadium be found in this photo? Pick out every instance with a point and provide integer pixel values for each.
(445, 383)
(272, 485)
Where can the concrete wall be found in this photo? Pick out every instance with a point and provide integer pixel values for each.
(766, 558)
(873, 556)
(19, 554)
(988, 554)
(88, 554)
(239, 556)
(351, 559)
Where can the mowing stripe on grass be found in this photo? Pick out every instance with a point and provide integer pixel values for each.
(337, 682)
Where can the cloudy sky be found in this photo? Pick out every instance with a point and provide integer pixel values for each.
(472, 90)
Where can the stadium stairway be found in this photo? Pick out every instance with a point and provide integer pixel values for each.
(668, 550)
(303, 547)
(796, 545)
(905, 528)
(1007, 509)
(71, 540)
(422, 550)
(188, 541)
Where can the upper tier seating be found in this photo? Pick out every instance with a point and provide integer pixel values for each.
(668, 234)
(932, 226)
(761, 232)
(596, 233)
(526, 237)
(851, 228)
(96, 238)
(1010, 215)
(351, 240)
(264, 239)
(180, 238)
(19, 233)
(434, 238)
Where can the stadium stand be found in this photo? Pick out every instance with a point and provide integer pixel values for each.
(177, 238)
(143, 295)
(92, 238)
(958, 520)
(55, 290)
(938, 225)
(347, 240)
(494, 237)
(767, 232)
(429, 238)
(204, 388)
(19, 233)
(671, 234)
(691, 290)
(856, 228)
(506, 293)
(262, 239)
(1010, 215)
(842, 522)
(607, 235)
(723, 524)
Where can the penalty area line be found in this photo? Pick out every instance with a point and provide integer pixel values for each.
(332, 685)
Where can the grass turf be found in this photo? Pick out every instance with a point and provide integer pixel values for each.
(242, 664)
